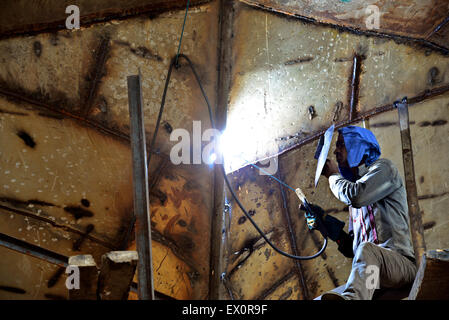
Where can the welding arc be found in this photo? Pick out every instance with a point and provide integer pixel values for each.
(174, 63)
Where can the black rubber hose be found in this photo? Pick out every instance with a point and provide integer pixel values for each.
(174, 63)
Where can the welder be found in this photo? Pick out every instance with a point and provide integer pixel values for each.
(378, 238)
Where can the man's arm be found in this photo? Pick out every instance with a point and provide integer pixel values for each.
(376, 184)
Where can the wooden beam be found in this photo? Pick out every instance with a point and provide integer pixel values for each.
(88, 278)
(140, 189)
(116, 274)
(416, 227)
(432, 278)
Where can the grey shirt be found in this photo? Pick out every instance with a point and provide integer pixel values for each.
(378, 210)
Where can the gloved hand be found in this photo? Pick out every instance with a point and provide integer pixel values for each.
(323, 222)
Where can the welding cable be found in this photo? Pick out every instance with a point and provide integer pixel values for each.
(182, 32)
(174, 63)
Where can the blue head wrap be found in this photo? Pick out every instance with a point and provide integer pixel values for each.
(359, 142)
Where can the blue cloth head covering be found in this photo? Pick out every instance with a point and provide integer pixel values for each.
(359, 142)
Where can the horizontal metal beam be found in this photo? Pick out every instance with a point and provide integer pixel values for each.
(33, 250)
(155, 235)
(426, 95)
(19, 96)
(37, 18)
(51, 257)
(422, 42)
(61, 226)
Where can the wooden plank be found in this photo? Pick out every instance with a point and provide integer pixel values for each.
(88, 278)
(140, 189)
(416, 227)
(432, 278)
(116, 274)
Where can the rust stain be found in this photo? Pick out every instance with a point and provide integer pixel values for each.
(168, 230)
(78, 212)
(298, 61)
(428, 225)
(27, 139)
(433, 123)
(140, 51)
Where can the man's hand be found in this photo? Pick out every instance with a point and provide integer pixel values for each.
(315, 219)
(330, 167)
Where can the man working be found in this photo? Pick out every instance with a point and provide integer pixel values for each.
(378, 237)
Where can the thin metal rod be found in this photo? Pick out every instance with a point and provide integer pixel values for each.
(140, 189)
(33, 251)
(416, 227)
(438, 27)
(354, 88)
(182, 32)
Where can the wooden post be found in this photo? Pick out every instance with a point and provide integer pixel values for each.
(432, 278)
(416, 227)
(140, 190)
(116, 274)
(88, 278)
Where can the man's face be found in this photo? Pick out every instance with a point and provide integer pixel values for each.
(341, 153)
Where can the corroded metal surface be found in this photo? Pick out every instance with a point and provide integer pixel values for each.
(65, 159)
(278, 75)
(180, 220)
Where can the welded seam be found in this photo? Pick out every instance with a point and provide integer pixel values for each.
(97, 72)
(424, 96)
(91, 123)
(218, 261)
(369, 33)
(292, 237)
(97, 18)
(9, 94)
(276, 285)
